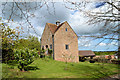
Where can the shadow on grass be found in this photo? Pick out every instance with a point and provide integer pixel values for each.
(12, 64)
(32, 68)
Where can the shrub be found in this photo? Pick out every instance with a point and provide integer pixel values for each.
(12, 62)
(7, 54)
(92, 61)
(11, 67)
(102, 60)
(115, 61)
(109, 57)
(42, 55)
(82, 59)
(25, 57)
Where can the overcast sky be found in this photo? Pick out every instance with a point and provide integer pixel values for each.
(50, 13)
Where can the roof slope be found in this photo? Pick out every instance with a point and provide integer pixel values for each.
(86, 53)
(54, 27)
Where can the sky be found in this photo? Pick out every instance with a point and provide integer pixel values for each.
(50, 13)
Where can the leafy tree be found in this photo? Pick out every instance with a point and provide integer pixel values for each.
(31, 42)
(9, 39)
(108, 17)
(25, 57)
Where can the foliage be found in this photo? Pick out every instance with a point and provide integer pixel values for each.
(9, 39)
(31, 42)
(92, 61)
(42, 55)
(25, 57)
(82, 58)
(50, 53)
(115, 61)
(105, 52)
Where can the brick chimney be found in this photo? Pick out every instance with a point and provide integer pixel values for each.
(57, 22)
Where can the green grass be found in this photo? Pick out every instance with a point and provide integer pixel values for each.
(56, 69)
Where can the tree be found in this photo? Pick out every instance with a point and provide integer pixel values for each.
(108, 17)
(31, 42)
(9, 39)
(25, 57)
(21, 11)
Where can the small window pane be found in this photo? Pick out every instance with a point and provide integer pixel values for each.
(66, 29)
(67, 47)
(51, 46)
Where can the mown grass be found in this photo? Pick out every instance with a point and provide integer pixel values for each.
(42, 68)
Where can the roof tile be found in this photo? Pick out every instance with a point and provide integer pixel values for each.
(86, 53)
(54, 27)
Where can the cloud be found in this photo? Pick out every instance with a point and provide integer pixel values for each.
(83, 42)
(38, 18)
(109, 44)
(102, 44)
(51, 13)
(114, 43)
(78, 22)
(47, 13)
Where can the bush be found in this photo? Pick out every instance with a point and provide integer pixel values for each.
(92, 61)
(42, 56)
(115, 61)
(7, 54)
(102, 60)
(12, 62)
(82, 59)
(25, 68)
(11, 67)
(25, 57)
(20, 67)
(50, 53)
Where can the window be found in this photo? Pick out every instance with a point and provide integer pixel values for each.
(65, 29)
(66, 46)
(51, 46)
(46, 46)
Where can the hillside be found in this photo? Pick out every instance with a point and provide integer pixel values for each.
(47, 68)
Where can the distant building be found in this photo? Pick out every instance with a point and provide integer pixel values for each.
(86, 53)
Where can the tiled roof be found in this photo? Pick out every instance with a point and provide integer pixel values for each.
(54, 27)
(86, 53)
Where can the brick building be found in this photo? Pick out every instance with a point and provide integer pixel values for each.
(62, 40)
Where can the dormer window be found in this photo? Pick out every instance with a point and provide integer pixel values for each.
(66, 29)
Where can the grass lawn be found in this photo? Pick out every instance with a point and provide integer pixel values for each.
(56, 69)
